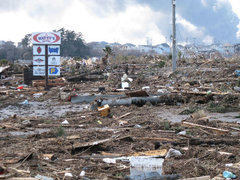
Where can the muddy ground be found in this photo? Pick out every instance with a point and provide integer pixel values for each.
(35, 141)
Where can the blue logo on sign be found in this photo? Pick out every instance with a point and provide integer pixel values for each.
(53, 70)
(53, 50)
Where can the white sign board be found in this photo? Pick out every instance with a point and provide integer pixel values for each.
(54, 60)
(53, 50)
(38, 50)
(46, 38)
(53, 71)
(38, 70)
(38, 60)
(140, 165)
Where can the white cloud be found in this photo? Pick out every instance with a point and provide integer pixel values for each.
(208, 40)
(219, 4)
(133, 24)
(236, 9)
(191, 30)
(204, 3)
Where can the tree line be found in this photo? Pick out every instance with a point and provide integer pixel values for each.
(72, 44)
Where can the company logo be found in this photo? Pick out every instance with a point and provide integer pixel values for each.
(39, 50)
(53, 70)
(38, 60)
(53, 50)
(54, 60)
(46, 38)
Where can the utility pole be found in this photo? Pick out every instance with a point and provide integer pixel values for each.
(174, 56)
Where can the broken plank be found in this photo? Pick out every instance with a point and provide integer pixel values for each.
(157, 139)
(218, 130)
(24, 178)
(198, 178)
(123, 116)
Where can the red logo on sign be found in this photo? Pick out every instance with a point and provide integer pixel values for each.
(39, 50)
(41, 38)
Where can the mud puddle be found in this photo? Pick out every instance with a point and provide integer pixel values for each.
(41, 109)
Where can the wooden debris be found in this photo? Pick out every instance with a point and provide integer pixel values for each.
(217, 130)
(199, 178)
(161, 153)
(137, 94)
(123, 116)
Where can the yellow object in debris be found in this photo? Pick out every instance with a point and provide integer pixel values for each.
(160, 152)
(104, 110)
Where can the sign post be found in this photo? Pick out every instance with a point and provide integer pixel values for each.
(46, 67)
(46, 51)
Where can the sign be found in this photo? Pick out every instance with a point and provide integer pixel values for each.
(53, 71)
(38, 70)
(38, 50)
(38, 60)
(46, 38)
(54, 60)
(53, 50)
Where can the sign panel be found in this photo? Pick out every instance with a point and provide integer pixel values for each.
(38, 60)
(46, 38)
(53, 50)
(54, 60)
(38, 70)
(38, 50)
(53, 71)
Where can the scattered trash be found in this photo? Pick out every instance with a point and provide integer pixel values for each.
(101, 89)
(109, 160)
(229, 165)
(68, 174)
(26, 122)
(163, 91)
(236, 88)
(237, 72)
(143, 165)
(228, 174)
(65, 122)
(125, 85)
(25, 102)
(146, 87)
(153, 175)
(20, 87)
(137, 126)
(182, 133)
(37, 95)
(173, 153)
(104, 110)
(82, 173)
(43, 177)
(99, 122)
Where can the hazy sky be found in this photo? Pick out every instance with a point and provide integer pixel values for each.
(123, 21)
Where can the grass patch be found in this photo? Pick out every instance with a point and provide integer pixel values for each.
(59, 131)
(219, 108)
(189, 111)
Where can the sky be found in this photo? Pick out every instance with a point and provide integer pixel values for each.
(124, 21)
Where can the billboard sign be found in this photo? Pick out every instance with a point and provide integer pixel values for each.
(38, 70)
(38, 60)
(53, 71)
(46, 38)
(38, 50)
(54, 60)
(53, 50)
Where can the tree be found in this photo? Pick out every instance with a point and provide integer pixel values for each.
(8, 51)
(108, 51)
(25, 47)
(72, 44)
